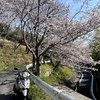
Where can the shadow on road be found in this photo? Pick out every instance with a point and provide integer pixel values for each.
(7, 97)
(6, 91)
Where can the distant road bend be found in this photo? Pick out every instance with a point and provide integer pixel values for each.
(85, 86)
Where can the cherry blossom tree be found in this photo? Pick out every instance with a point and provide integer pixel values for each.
(50, 26)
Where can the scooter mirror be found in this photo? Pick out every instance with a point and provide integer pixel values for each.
(15, 68)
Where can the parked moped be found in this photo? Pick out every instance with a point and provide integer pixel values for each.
(22, 85)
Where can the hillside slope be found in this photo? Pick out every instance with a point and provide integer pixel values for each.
(10, 58)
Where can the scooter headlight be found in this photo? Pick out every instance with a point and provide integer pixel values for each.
(25, 74)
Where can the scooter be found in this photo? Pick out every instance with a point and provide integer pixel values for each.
(22, 85)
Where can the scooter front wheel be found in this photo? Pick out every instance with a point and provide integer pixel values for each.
(24, 98)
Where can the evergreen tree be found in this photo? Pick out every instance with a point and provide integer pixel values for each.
(95, 46)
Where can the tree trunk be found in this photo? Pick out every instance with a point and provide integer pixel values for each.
(37, 61)
(33, 61)
(38, 66)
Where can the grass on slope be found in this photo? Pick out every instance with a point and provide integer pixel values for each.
(10, 58)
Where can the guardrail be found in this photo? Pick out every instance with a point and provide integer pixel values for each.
(91, 89)
(52, 92)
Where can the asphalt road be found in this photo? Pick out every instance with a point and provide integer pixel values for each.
(7, 80)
